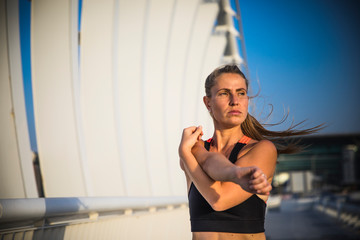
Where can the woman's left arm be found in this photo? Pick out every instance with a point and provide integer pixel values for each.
(261, 154)
(220, 195)
(251, 178)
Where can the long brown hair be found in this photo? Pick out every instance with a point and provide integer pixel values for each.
(255, 130)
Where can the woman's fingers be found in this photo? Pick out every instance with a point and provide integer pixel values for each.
(263, 188)
(189, 130)
(259, 182)
(190, 137)
(256, 173)
(197, 131)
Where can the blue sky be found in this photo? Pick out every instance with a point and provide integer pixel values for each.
(24, 22)
(306, 56)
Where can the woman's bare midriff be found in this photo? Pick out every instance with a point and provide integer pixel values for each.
(227, 236)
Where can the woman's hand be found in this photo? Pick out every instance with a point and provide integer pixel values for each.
(252, 180)
(190, 137)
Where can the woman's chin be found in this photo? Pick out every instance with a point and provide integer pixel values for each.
(230, 124)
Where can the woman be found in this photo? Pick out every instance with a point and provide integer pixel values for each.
(227, 199)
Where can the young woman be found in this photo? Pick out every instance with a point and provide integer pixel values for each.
(229, 175)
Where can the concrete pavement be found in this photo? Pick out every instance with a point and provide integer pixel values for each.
(297, 220)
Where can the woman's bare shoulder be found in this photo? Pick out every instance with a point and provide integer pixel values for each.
(263, 148)
(264, 145)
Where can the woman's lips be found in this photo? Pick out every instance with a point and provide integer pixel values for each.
(234, 112)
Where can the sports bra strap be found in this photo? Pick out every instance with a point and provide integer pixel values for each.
(207, 145)
(234, 153)
(245, 140)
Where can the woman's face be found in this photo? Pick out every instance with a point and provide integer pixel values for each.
(228, 104)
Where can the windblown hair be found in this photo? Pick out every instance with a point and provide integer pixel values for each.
(255, 130)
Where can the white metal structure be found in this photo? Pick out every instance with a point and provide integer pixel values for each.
(16, 175)
(111, 101)
(96, 218)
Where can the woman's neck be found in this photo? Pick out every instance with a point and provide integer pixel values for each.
(224, 138)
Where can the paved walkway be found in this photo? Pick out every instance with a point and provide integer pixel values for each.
(296, 220)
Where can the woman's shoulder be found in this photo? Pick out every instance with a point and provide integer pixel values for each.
(263, 144)
(259, 147)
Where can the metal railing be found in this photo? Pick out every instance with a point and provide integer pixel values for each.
(338, 208)
(20, 214)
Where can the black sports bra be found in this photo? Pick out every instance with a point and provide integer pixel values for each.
(247, 217)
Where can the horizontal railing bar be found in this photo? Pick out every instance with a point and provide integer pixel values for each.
(35, 209)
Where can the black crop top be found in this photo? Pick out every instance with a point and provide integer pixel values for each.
(247, 217)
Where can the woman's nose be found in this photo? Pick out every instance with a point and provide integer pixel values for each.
(234, 100)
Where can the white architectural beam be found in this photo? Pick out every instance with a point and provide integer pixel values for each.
(129, 109)
(200, 35)
(54, 109)
(11, 183)
(176, 60)
(17, 87)
(98, 100)
(157, 31)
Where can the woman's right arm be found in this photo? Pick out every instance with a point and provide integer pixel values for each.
(251, 178)
(216, 193)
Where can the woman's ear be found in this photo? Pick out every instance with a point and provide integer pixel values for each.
(206, 101)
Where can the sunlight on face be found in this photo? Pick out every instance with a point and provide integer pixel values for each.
(228, 103)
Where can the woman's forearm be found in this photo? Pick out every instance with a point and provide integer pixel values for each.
(208, 188)
(209, 170)
(219, 168)
(216, 165)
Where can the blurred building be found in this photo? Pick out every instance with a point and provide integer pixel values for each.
(328, 163)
